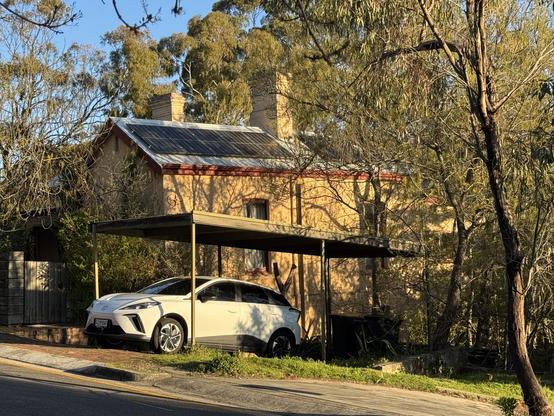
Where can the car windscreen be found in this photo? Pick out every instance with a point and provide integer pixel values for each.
(175, 286)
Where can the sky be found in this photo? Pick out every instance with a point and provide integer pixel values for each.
(99, 17)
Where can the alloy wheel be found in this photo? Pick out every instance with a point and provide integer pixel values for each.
(170, 337)
(281, 346)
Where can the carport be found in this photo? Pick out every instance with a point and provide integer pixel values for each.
(197, 227)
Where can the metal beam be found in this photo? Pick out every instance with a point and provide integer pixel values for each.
(323, 302)
(95, 260)
(219, 262)
(193, 282)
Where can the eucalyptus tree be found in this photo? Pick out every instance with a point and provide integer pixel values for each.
(496, 54)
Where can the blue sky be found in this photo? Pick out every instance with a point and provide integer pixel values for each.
(99, 18)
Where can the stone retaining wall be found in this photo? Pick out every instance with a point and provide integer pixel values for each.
(12, 287)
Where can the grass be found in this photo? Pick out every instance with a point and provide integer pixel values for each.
(209, 361)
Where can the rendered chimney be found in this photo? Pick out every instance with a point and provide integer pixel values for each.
(270, 106)
(169, 107)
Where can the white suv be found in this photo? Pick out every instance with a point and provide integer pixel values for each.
(230, 314)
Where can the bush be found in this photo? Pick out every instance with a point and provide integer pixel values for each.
(224, 364)
(125, 264)
(511, 406)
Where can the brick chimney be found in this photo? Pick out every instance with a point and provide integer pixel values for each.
(168, 107)
(270, 106)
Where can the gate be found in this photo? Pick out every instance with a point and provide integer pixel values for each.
(45, 293)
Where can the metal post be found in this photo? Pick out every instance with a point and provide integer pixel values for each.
(95, 261)
(219, 262)
(328, 309)
(193, 282)
(323, 303)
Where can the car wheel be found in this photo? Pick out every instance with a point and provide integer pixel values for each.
(280, 344)
(168, 336)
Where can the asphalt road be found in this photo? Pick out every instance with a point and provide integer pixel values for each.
(32, 392)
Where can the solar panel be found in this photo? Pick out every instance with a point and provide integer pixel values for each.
(206, 142)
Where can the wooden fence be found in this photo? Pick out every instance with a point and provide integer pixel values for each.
(31, 292)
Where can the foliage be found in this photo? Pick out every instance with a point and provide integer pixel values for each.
(507, 405)
(51, 102)
(126, 264)
(133, 71)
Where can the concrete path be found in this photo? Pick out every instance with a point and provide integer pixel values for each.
(324, 398)
(291, 397)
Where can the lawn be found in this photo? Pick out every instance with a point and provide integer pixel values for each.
(209, 361)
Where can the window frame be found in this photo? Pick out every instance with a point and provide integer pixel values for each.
(266, 254)
(242, 285)
(222, 282)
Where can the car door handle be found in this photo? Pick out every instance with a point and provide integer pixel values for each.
(231, 311)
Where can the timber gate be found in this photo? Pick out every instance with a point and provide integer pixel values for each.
(45, 293)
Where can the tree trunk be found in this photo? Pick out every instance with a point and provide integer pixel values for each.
(379, 225)
(448, 316)
(532, 392)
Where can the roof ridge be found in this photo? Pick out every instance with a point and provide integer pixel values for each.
(205, 126)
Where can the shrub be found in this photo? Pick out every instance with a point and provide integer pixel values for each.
(125, 264)
(224, 364)
(511, 406)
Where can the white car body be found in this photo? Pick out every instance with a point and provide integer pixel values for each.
(242, 323)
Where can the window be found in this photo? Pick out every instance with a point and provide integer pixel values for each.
(277, 299)
(253, 294)
(257, 259)
(174, 286)
(223, 292)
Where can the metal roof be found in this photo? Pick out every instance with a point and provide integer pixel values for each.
(168, 142)
(241, 232)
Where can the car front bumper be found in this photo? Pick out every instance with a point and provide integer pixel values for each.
(124, 325)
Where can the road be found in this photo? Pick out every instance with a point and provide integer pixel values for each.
(27, 391)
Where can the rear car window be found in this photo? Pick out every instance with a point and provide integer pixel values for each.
(276, 298)
(253, 294)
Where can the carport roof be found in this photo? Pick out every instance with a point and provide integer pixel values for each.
(233, 231)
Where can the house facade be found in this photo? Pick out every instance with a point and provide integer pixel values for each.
(252, 171)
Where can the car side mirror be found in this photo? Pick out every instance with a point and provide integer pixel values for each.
(202, 297)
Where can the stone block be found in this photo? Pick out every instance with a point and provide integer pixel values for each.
(10, 319)
(4, 292)
(11, 309)
(13, 256)
(16, 284)
(390, 368)
(16, 270)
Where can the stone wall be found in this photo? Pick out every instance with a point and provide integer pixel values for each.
(12, 287)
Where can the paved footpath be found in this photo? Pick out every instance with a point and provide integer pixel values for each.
(291, 397)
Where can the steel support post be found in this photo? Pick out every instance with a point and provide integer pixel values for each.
(95, 261)
(193, 282)
(323, 303)
(219, 262)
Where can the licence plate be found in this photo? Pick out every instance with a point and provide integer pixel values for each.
(101, 323)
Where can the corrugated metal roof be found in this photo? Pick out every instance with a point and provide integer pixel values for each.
(206, 144)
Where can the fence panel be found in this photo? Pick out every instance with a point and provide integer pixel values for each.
(45, 292)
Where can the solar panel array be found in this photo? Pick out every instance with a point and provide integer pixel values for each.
(208, 142)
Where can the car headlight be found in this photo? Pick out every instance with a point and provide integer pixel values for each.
(91, 306)
(142, 305)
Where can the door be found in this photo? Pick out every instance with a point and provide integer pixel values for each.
(217, 315)
(256, 317)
